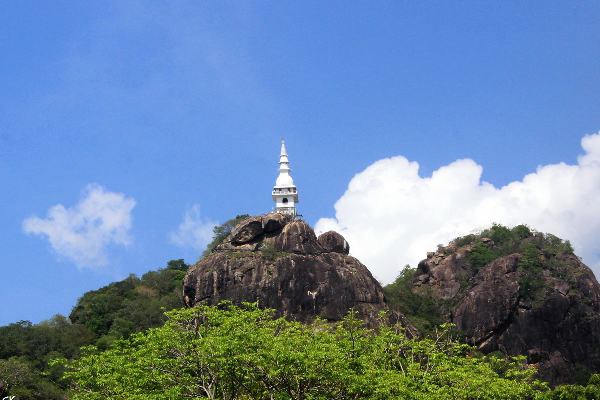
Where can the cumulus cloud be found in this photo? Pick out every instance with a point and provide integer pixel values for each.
(82, 233)
(391, 216)
(193, 231)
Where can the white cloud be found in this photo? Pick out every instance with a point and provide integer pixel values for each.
(391, 216)
(83, 232)
(193, 231)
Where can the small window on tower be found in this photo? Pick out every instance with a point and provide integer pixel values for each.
(285, 200)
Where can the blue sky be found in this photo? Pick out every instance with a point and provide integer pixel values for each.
(129, 128)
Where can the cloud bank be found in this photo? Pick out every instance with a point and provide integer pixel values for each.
(82, 233)
(193, 231)
(391, 216)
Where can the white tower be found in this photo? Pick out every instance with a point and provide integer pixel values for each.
(285, 195)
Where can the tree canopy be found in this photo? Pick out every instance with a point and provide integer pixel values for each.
(99, 317)
(231, 353)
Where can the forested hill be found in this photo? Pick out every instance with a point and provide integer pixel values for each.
(520, 275)
(510, 291)
(99, 317)
(131, 305)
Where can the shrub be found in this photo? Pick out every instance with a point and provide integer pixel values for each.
(530, 281)
(480, 255)
(464, 240)
(500, 233)
(421, 310)
(521, 232)
(531, 258)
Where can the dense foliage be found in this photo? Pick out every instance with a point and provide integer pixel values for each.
(131, 305)
(25, 353)
(230, 353)
(421, 310)
(211, 353)
(100, 317)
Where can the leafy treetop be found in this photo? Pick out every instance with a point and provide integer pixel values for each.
(233, 353)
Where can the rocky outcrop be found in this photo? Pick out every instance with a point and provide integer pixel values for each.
(282, 265)
(246, 231)
(296, 236)
(557, 329)
(274, 221)
(333, 241)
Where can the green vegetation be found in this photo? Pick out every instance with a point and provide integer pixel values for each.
(221, 232)
(268, 251)
(129, 352)
(532, 244)
(424, 307)
(131, 305)
(100, 317)
(421, 310)
(519, 239)
(210, 353)
(530, 267)
(577, 392)
(480, 255)
(26, 351)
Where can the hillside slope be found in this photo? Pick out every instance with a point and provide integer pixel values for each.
(518, 292)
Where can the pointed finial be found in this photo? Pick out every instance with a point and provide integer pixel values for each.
(283, 152)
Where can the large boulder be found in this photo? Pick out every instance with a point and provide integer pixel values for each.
(287, 270)
(296, 236)
(246, 230)
(274, 221)
(333, 241)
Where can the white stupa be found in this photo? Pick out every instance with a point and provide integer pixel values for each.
(285, 195)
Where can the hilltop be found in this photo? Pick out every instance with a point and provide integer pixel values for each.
(511, 292)
(281, 264)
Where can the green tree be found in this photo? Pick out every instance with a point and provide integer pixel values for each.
(234, 353)
(17, 378)
(577, 392)
(421, 310)
(131, 305)
(480, 255)
(500, 233)
(530, 268)
(531, 260)
(26, 351)
(521, 232)
(178, 265)
(221, 232)
(101, 317)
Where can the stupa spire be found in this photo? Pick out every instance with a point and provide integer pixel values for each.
(285, 195)
(283, 152)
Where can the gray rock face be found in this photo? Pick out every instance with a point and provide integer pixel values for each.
(296, 236)
(246, 231)
(556, 330)
(288, 270)
(489, 304)
(333, 241)
(274, 221)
